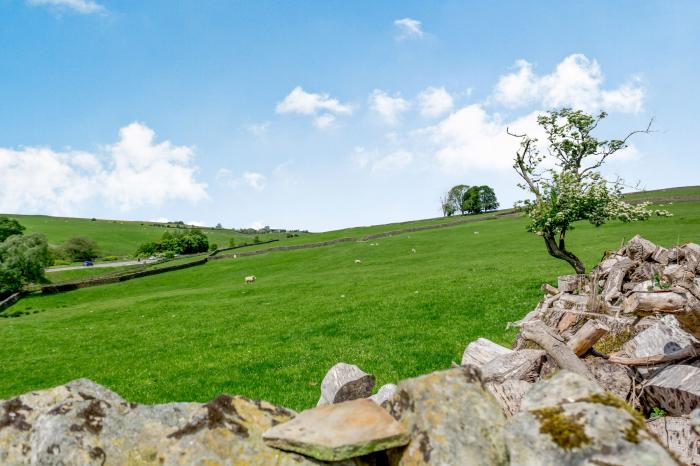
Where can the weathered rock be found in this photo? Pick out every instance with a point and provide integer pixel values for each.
(339, 431)
(660, 255)
(481, 351)
(384, 393)
(523, 364)
(571, 420)
(344, 382)
(82, 423)
(676, 434)
(675, 389)
(509, 394)
(451, 419)
(612, 377)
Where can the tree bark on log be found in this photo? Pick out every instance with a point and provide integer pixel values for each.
(549, 289)
(539, 333)
(684, 353)
(587, 336)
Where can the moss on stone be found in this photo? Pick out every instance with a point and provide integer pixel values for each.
(613, 342)
(637, 422)
(565, 430)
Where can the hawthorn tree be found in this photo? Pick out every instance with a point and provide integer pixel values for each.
(9, 227)
(566, 184)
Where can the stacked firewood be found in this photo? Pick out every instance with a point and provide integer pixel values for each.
(632, 324)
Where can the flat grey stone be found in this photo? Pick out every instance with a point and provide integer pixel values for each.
(339, 431)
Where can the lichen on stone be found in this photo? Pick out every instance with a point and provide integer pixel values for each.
(564, 429)
(637, 422)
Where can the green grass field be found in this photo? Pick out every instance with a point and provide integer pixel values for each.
(191, 334)
(119, 237)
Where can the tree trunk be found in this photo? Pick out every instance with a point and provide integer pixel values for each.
(559, 251)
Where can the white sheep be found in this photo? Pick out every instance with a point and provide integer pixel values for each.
(413, 250)
(250, 279)
(358, 261)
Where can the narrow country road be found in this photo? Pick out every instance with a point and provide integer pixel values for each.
(100, 265)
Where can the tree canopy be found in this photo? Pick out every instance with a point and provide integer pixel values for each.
(9, 227)
(22, 261)
(468, 200)
(573, 189)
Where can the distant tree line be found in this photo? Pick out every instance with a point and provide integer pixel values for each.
(468, 200)
(180, 242)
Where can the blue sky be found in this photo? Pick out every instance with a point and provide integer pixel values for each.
(321, 115)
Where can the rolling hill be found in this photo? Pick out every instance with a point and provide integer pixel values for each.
(194, 333)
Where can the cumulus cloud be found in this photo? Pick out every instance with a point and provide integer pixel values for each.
(408, 28)
(472, 139)
(381, 163)
(85, 7)
(310, 104)
(435, 101)
(135, 171)
(387, 107)
(576, 82)
(254, 180)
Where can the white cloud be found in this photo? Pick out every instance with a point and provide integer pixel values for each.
(258, 129)
(134, 172)
(196, 223)
(160, 220)
(408, 28)
(257, 225)
(434, 101)
(324, 121)
(255, 180)
(85, 7)
(575, 82)
(307, 103)
(387, 107)
(471, 139)
(380, 163)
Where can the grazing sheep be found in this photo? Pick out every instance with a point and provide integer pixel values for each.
(358, 261)
(476, 232)
(413, 250)
(250, 279)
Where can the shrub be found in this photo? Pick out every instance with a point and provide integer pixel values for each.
(189, 242)
(169, 255)
(256, 239)
(80, 248)
(231, 242)
(22, 261)
(213, 247)
(110, 258)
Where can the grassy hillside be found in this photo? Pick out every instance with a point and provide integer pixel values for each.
(118, 237)
(192, 334)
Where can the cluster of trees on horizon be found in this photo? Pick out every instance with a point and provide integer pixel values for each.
(468, 200)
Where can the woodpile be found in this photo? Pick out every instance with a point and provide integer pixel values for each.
(632, 325)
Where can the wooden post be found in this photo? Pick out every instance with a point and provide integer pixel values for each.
(587, 336)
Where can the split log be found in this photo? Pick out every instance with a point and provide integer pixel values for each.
(345, 382)
(639, 248)
(612, 377)
(549, 289)
(676, 434)
(687, 352)
(481, 351)
(649, 302)
(695, 420)
(663, 336)
(537, 332)
(660, 255)
(569, 319)
(675, 389)
(509, 394)
(520, 365)
(587, 336)
(574, 301)
(616, 277)
(571, 283)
